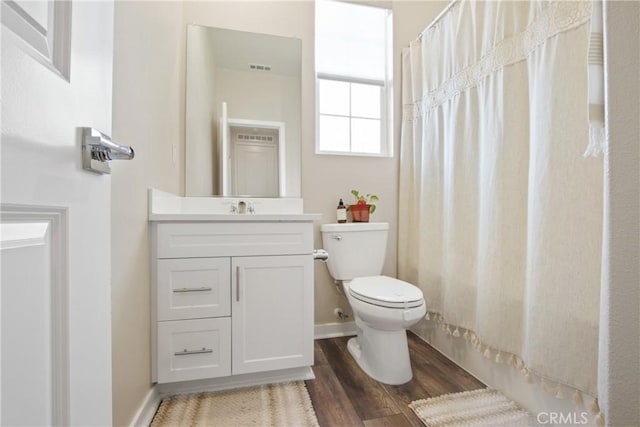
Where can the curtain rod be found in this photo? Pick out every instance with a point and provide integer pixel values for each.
(437, 18)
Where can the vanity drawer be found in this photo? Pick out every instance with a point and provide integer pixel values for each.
(187, 240)
(194, 349)
(193, 288)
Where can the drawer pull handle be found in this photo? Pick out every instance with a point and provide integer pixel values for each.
(186, 352)
(203, 289)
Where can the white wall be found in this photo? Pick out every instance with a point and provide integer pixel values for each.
(619, 357)
(147, 98)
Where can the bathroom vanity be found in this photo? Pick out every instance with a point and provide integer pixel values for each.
(232, 294)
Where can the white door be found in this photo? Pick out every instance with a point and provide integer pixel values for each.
(272, 307)
(255, 169)
(55, 295)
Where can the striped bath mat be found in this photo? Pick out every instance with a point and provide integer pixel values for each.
(484, 407)
(273, 405)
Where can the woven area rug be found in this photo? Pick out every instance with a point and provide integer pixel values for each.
(286, 404)
(484, 407)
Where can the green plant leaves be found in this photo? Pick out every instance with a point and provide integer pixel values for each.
(369, 198)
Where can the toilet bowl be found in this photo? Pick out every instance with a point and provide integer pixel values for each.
(381, 347)
(383, 307)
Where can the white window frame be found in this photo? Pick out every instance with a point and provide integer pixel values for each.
(386, 103)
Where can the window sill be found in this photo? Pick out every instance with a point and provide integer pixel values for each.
(349, 154)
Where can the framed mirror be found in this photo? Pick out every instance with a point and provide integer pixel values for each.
(243, 107)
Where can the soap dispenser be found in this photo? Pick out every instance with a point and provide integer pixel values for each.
(342, 212)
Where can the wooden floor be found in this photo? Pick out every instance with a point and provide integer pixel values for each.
(343, 395)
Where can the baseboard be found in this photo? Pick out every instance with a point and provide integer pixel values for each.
(235, 381)
(332, 330)
(148, 409)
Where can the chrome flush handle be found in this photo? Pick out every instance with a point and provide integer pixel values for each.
(338, 237)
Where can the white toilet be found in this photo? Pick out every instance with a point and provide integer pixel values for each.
(383, 307)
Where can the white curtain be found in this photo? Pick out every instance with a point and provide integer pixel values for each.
(500, 212)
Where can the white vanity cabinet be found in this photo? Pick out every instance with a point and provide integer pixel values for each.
(231, 298)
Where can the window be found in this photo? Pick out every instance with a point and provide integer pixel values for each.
(353, 70)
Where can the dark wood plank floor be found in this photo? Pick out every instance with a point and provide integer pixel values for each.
(343, 395)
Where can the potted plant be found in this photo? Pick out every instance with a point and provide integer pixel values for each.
(364, 206)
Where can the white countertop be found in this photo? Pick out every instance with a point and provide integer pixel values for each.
(235, 217)
(169, 207)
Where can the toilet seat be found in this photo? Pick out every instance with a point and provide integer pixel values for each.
(386, 292)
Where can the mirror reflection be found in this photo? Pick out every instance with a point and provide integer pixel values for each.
(242, 114)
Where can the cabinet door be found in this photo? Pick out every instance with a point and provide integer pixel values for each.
(272, 307)
(193, 288)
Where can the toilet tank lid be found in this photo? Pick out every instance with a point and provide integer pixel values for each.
(354, 226)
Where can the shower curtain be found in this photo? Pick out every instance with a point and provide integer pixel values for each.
(500, 214)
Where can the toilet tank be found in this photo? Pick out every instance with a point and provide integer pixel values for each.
(356, 249)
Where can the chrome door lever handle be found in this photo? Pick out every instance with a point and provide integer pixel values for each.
(98, 150)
